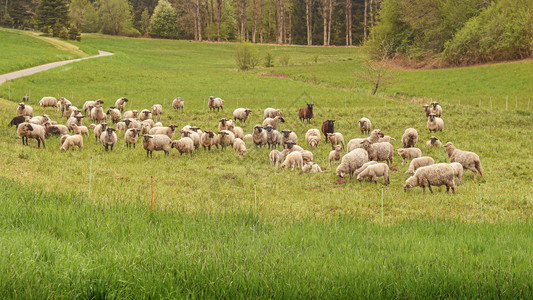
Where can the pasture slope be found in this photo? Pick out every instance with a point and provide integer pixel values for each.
(229, 227)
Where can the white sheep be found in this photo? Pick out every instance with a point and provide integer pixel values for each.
(379, 151)
(311, 167)
(108, 138)
(215, 103)
(312, 136)
(237, 131)
(89, 105)
(208, 139)
(145, 114)
(194, 136)
(131, 114)
(183, 145)
(458, 172)
(24, 110)
(71, 141)
(365, 126)
(74, 120)
(133, 123)
(364, 166)
(98, 130)
(335, 155)
(307, 156)
(469, 160)
(274, 122)
(55, 129)
(276, 157)
(157, 111)
(156, 142)
(272, 113)
(418, 163)
(434, 142)
(120, 104)
(427, 110)
(131, 137)
(81, 130)
(386, 138)
(97, 114)
(408, 153)
(274, 137)
(226, 138)
(409, 138)
(169, 131)
(435, 123)
(259, 136)
(62, 103)
(240, 147)
(375, 171)
(288, 136)
(351, 162)
(158, 124)
(39, 120)
(335, 139)
(241, 114)
(33, 131)
(114, 114)
(48, 102)
(178, 103)
(436, 109)
(293, 159)
(374, 137)
(437, 175)
(121, 126)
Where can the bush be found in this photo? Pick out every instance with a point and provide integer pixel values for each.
(284, 59)
(246, 56)
(164, 22)
(269, 59)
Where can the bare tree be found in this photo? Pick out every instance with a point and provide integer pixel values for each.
(261, 30)
(330, 13)
(198, 20)
(371, 14)
(254, 20)
(365, 22)
(377, 74)
(207, 18)
(325, 20)
(309, 21)
(290, 22)
(349, 22)
(219, 18)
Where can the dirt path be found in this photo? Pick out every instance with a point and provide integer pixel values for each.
(37, 69)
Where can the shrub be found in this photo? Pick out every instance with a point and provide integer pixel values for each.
(269, 59)
(246, 56)
(284, 59)
(164, 23)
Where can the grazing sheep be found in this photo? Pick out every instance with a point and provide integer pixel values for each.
(458, 172)
(240, 147)
(55, 129)
(97, 114)
(208, 139)
(274, 137)
(81, 130)
(131, 114)
(108, 138)
(434, 142)
(436, 109)
(169, 131)
(145, 115)
(364, 166)
(335, 155)
(272, 113)
(293, 159)
(98, 130)
(133, 123)
(439, 174)
(351, 162)
(88, 105)
(275, 157)
(48, 102)
(290, 147)
(375, 171)
(365, 126)
(156, 142)
(157, 111)
(39, 120)
(131, 137)
(409, 138)
(259, 136)
(121, 126)
(408, 153)
(24, 110)
(114, 114)
(178, 104)
(241, 114)
(215, 103)
(435, 123)
(33, 131)
(18, 120)
(307, 155)
(71, 141)
(74, 120)
(419, 163)
(248, 137)
(386, 138)
(328, 126)
(274, 122)
(335, 139)
(306, 113)
(312, 136)
(427, 110)
(120, 104)
(311, 167)
(183, 145)
(379, 151)
(288, 136)
(374, 137)
(469, 160)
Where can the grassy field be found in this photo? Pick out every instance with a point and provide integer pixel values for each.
(238, 227)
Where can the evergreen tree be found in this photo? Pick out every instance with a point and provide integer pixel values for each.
(145, 22)
(52, 14)
(164, 23)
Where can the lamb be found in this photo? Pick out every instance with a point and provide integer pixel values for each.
(306, 113)
(427, 110)
(293, 159)
(145, 127)
(469, 160)
(275, 157)
(237, 131)
(48, 102)
(120, 104)
(409, 138)
(68, 109)
(208, 139)
(274, 122)
(34, 131)
(24, 110)
(88, 105)
(365, 125)
(178, 104)
(241, 114)
(436, 109)
(71, 141)
(288, 136)
(259, 136)
(108, 138)
(215, 103)
(240, 147)
(114, 114)
(62, 104)
(408, 153)
(98, 130)
(121, 126)
(364, 166)
(226, 138)
(74, 120)
(97, 114)
(131, 137)
(157, 111)
(435, 123)
(439, 174)
(357, 143)
(335, 139)
(18, 120)
(311, 167)
(272, 113)
(169, 131)
(386, 138)
(419, 163)
(379, 151)
(274, 137)
(131, 114)
(375, 171)
(434, 142)
(307, 156)
(328, 126)
(145, 114)
(458, 172)
(335, 155)
(351, 162)
(183, 145)
(81, 130)
(156, 142)
(312, 136)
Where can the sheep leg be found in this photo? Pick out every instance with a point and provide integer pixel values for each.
(429, 187)
(112, 147)
(147, 151)
(447, 189)
(38, 143)
(424, 188)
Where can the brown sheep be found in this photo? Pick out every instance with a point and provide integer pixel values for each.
(328, 126)
(306, 113)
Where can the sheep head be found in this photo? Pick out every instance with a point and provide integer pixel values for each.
(247, 111)
(22, 105)
(286, 133)
(432, 117)
(172, 127)
(433, 139)
(269, 128)
(310, 106)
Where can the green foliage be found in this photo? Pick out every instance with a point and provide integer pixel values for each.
(115, 18)
(163, 23)
(269, 59)
(83, 14)
(52, 14)
(246, 56)
(145, 22)
(284, 59)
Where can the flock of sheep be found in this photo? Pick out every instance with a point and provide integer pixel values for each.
(362, 158)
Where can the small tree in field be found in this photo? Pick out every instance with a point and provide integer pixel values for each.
(164, 22)
(376, 74)
(246, 56)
